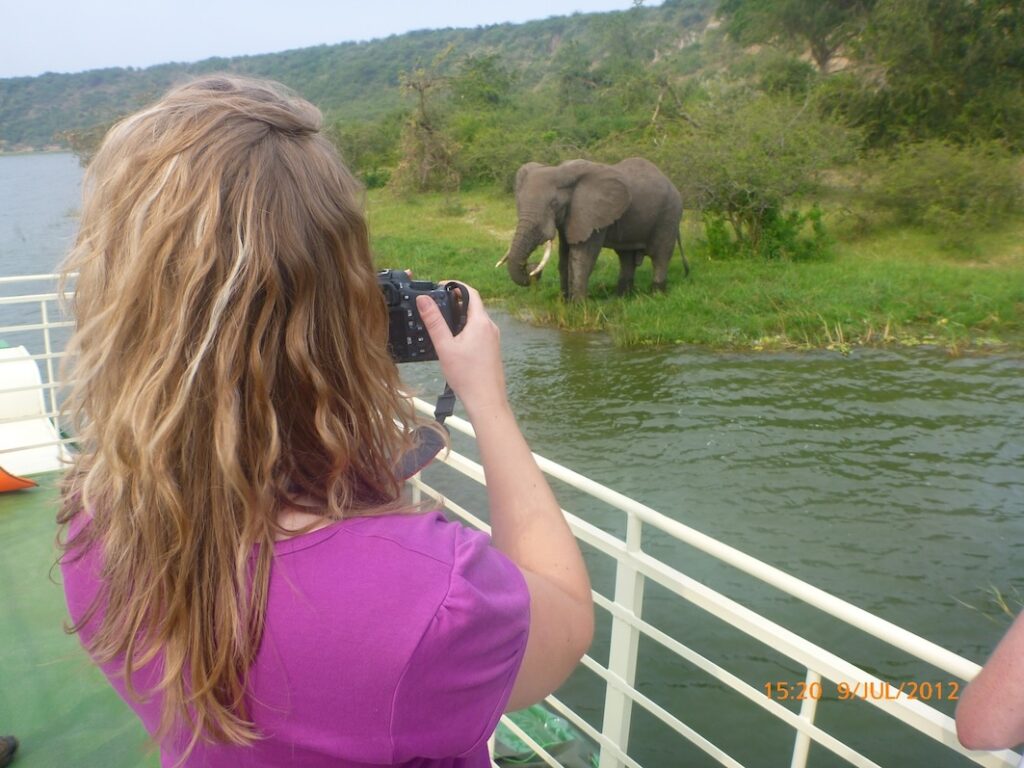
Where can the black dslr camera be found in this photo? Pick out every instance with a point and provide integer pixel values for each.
(407, 337)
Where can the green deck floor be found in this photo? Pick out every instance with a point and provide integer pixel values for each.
(58, 705)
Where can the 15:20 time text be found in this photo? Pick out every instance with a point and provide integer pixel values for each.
(781, 690)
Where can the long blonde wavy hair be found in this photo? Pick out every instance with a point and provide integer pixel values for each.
(229, 361)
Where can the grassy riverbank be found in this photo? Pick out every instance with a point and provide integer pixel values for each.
(897, 286)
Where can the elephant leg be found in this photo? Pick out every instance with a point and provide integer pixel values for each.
(628, 262)
(563, 265)
(660, 282)
(661, 254)
(582, 258)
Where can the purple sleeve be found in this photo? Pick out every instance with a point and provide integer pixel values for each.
(458, 680)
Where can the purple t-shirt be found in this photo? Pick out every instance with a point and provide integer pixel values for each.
(389, 640)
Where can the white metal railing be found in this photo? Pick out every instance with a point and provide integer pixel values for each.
(31, 320)
(634, 568)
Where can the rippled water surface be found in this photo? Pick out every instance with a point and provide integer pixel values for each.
(889, 478)
(893, 479)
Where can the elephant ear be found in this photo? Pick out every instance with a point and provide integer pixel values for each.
(599, 198)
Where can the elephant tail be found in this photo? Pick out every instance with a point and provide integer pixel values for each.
(682, 254)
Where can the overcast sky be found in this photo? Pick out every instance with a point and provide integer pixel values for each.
(75, 35)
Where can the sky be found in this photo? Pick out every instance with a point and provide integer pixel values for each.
(76, 35)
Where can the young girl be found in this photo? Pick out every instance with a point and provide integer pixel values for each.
(238, 556)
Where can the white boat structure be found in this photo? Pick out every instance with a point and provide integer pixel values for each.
(30, 442)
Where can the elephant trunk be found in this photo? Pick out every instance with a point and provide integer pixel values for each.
(523, 243)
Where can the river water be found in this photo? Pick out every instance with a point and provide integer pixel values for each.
(893, 479)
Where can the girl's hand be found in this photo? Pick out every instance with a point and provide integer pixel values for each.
(470, 361)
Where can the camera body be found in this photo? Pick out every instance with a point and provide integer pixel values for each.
(408, 340)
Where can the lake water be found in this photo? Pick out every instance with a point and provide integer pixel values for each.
(891, 478)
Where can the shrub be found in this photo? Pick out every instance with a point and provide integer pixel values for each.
(743, 160)
(783, 235)
(954, 191)
(787, 76)
(375, 178)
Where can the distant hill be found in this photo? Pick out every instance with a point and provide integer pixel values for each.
(348, 80)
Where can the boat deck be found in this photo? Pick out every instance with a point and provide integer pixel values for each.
(58, 705)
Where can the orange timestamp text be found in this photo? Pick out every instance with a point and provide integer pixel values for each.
(875, 690)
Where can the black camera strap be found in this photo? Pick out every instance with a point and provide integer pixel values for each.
(428, 442)
(445, 405)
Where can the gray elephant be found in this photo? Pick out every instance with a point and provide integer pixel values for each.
(630, 207)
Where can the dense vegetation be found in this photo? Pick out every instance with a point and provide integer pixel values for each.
(846, 164)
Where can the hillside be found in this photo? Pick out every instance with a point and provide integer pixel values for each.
(347, 80)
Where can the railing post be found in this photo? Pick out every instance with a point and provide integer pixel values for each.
(622, 652)
(48, 347)
(808, 708)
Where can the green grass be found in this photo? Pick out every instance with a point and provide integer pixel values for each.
(881, 286)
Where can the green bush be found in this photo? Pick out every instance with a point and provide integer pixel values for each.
(786, 75)
(945, 188)
(784, 236)
(744, 160)
(375, 178)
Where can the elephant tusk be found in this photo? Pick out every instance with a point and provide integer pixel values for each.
(547, 257)
(503, 259)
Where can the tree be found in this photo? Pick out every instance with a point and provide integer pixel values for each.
(483, 81)
(942, 69)
(576, 83)
(427, 150)
(369, 148)
(822, 25)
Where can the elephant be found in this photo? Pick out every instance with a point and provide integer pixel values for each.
(630, 207)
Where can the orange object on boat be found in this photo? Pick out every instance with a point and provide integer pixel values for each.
(9, 482)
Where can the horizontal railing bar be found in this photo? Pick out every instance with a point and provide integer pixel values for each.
(41, 356)
(447, 503)
(29, 388)
(32, 278)
(662, 714)
(29, 298)
(30, 417)
(531, 743)
(602, 741)
(35, 327)
(52, 444)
